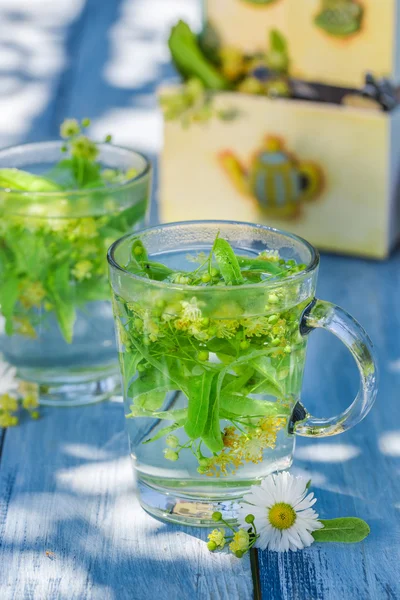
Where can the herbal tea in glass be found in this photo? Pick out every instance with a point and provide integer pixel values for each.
(61, 205)
(212, 356)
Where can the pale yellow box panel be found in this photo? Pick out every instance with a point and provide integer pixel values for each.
(246, 25)
(318, 56)
(350, 147)
(315, 54)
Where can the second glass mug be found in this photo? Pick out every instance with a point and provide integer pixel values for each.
(212, 376)
(56, 323)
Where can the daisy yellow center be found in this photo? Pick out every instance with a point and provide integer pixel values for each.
(282, 516)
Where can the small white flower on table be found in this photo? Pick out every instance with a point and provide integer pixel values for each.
(282, 509)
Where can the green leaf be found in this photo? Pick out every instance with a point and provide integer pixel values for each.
(164, 431)
(239, 405)
(61, 293)
(31, 254)
(227, 262)
(179, 415)
(154, 270)
(268, 384)
(212, 436)
(189, 59)
(170, 370)
(63, 174)
(277, 41)
(237, 383)
(198, 393)
(348, 530)
(128, 362)
(91, 290)
(15, 179)
(258, 264)
(148, 391)
(8, 299)
(122, 222)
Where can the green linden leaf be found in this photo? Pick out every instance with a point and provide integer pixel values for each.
(199, 397)
(227, 262)
(15, 179)
(348, 530)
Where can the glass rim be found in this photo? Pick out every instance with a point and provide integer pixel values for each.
(111, 188)
(273, 282)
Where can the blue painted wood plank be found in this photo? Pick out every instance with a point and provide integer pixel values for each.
(71, 527)
(357, 473)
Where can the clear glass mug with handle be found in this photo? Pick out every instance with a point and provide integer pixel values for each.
(56, 323)
(212, 375)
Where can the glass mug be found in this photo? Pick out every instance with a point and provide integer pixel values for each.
(212, 375)
(56, 317)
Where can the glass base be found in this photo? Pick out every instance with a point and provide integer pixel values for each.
(174, 508)
(73, 387)
(194, 509)
(79, 394)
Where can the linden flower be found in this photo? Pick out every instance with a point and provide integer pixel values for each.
(283, 514)
(150, 328)
(271, 255)
(69, 128)
(257, 326)
(225, 328)
(240, 542)
(218, 537)
(82, 147)
(191, 310)
(82, 270)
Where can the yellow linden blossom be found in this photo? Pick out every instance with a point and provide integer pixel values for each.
(230, 438)
(28, 387)
(270, 427)
(69, 128)
(269, 255)
(8, 420)
(225, 328)
(252, 450)
(83, 147)
(122, 334)
(224, 463)
(31, 294)
(30, 401)
(8, 403)
(82, 270)
(218, 537)
(190, 310)
(150, 327)
(257, 326)
(240, 542)
(23, 326)
(246, 447)
(82, 228)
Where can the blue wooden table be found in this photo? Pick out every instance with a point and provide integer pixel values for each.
(70, 524)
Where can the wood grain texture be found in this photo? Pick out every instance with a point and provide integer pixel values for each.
(357, 473)
(71, 527)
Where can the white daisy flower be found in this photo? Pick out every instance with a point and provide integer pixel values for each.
(283, 515)
(8, 380)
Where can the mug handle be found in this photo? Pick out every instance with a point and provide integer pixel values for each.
(324, 315)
